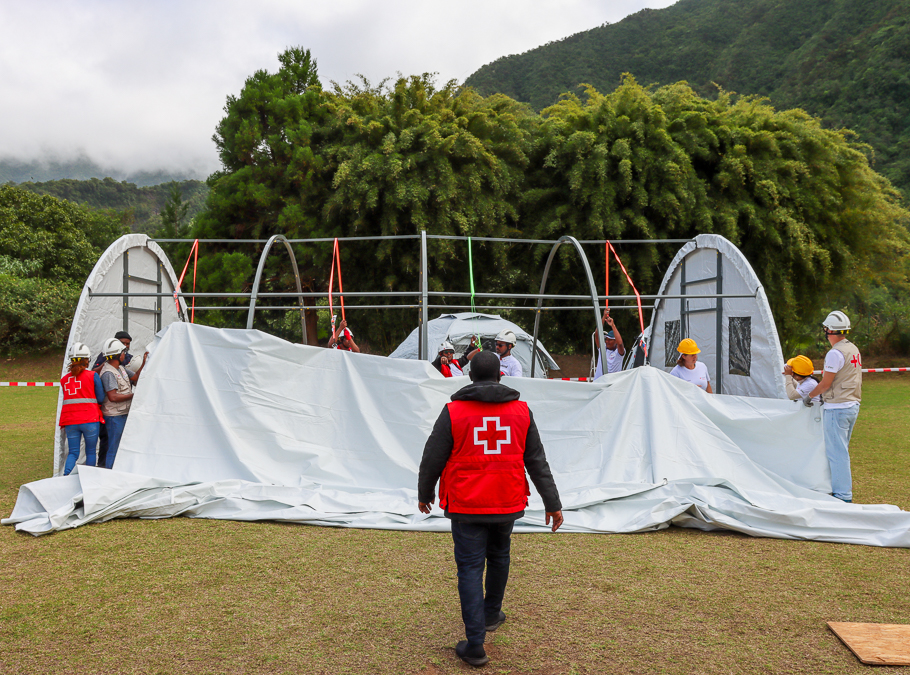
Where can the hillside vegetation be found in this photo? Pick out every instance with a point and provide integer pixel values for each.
(140, 207)
(845, 61)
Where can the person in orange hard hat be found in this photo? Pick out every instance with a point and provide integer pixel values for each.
(799, 380)
(689, 368)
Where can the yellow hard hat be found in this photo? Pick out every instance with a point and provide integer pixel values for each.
(801, 365)
(688, 346)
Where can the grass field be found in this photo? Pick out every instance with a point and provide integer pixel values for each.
(198, 596)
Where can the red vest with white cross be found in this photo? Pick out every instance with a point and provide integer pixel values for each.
(79, 403)
(486, 470)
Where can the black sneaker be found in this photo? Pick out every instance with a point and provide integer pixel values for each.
(473, 655)
(493, 624)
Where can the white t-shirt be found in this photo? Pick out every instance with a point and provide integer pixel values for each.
(510, 366)
(834, 361)
(805, 388)
(697, 376)
(614, 362)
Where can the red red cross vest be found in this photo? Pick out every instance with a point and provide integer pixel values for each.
(486, 470)
(79, 403)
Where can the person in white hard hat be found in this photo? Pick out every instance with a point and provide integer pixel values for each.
(446, 363)
(613, 346)
(80, 414)
(508, 364)
(841, 390)
(118, 396)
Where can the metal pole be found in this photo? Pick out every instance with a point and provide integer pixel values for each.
(594, 302)
(424, 299)
(255, 293)
(720, 323)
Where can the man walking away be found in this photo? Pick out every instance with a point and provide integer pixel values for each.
(841, 389)
(479, 449)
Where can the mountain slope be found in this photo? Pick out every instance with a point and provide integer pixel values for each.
(845, 61)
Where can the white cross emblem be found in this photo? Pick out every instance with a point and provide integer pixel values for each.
(73, 386)
(492, 435)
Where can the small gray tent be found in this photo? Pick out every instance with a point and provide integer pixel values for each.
(460, 328)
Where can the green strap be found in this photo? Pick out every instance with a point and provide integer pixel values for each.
(471, 275)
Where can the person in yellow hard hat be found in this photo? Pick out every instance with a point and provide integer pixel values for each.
(689, 368)
(798, 373)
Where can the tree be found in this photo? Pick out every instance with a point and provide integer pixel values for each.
(48, 247)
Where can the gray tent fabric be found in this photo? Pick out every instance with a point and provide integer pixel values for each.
(240, 425)
(461, 327)
(143, 263)
(751, 362)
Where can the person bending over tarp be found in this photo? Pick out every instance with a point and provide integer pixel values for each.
(478, 450)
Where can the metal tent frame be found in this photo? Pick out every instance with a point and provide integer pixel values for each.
(424, 295)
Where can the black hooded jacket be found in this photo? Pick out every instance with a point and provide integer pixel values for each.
(440, 443)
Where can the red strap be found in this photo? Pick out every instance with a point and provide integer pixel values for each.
(336, 260)
(194, 249)
(607, 275)
(641, 318)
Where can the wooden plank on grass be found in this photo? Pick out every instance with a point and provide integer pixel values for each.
(878, 644)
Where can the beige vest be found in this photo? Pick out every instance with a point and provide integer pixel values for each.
(110, 408)
(848, 381)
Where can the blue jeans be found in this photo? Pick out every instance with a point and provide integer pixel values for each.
(475, 544)
(114, 432)
(74, 435)
(838, 423)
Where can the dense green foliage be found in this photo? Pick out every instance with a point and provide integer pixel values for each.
(142, 207)
(800, 200)
(48, 247)
(845, 61)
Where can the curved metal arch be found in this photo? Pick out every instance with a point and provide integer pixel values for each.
(255, 294)
(594, 302)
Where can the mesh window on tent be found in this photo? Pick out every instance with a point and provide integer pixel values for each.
(672, 338)
(740, 345)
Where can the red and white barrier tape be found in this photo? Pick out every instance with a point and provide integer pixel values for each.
(572, 379)
(874, 370)
(29, 384)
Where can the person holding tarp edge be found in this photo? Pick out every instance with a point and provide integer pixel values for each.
(841, 390)
(612, 345)
(479, 449)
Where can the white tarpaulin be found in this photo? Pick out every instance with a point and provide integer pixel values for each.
(241, 425)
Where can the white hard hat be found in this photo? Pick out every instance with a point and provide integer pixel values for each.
(81, 351)
(837, 321)
(507, 336)
(446, 345)
(113, 347)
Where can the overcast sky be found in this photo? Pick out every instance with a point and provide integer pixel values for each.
(141, 85)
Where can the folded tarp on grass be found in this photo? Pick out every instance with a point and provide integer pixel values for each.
(241, 425)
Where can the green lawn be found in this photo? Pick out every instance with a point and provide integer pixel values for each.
(202, 596)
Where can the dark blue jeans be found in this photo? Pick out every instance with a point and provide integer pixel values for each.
(474, 545)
